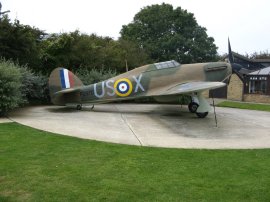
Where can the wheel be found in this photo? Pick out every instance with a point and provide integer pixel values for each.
(202, 115)
(79, 107)
(193, 106)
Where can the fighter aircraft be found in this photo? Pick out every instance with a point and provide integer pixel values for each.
(159, 80)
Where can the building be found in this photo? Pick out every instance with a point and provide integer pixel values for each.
(250, 82)
(257, 86)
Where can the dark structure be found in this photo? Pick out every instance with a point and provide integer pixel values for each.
(247, 65)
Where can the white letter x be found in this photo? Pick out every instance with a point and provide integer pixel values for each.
(139, 85)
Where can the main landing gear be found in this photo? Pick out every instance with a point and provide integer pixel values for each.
(200, 109)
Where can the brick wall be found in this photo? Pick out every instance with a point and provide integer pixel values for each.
(235, 89)
(257, 98)
(205, 94)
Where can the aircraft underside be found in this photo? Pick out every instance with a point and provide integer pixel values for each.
(198, 105)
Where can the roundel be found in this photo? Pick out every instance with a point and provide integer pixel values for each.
(123, 87)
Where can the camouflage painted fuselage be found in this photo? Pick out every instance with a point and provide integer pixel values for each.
(149, 80)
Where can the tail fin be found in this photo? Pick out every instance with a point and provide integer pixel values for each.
(61, 79)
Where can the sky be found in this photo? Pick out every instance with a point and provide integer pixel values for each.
(245, 22)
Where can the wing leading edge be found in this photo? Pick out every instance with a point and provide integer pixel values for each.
(196, 87)
(192, 87)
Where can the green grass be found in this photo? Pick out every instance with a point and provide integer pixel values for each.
(41, 166)
(241, 105)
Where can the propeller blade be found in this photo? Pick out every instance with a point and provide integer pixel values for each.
(235, 67)
(230, 55)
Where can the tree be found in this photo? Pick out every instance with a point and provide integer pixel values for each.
(261, 55)
(76, 50)
(20, 43)
(28, 46)
(133, 54)
(166, 33)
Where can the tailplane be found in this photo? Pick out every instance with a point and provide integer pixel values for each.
(62, 79)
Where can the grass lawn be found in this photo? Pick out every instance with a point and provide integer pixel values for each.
(241, 105)
(41, 166)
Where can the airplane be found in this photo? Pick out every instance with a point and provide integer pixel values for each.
(161, 81)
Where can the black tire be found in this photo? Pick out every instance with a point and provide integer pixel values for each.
(193, 106)
(79, 107)
(202, 115)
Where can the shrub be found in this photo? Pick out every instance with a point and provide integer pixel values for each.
(10, 85)
(34, 88)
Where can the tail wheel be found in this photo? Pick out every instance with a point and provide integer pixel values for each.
(193, 106)
(79, 107)
(202, 115)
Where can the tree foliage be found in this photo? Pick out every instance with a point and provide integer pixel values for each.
(94, 75)
(133, 54)
(21, 43)
(75, 50)
(166, 33)
(42, 53)
(260, 55)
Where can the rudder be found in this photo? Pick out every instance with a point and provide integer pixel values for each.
(61, 79)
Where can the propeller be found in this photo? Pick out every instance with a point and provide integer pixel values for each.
(235, 67)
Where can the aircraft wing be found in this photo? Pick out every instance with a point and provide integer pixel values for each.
(190, 87)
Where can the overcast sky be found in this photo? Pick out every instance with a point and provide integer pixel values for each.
(247, 23)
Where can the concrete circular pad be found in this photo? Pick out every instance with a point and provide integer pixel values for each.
(153, 125)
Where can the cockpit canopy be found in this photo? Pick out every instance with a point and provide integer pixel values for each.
(167, 64)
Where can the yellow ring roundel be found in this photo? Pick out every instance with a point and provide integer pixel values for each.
(123, 87)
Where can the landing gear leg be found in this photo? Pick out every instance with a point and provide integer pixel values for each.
(92, 107)
(79, 107)
(200, 109)
(193, 105)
